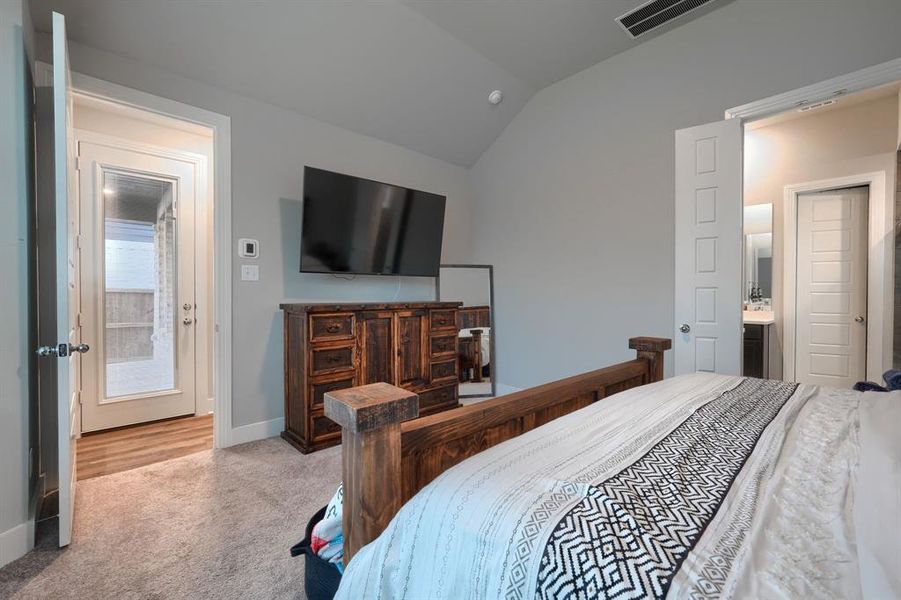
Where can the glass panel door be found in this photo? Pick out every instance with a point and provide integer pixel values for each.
(139, 281)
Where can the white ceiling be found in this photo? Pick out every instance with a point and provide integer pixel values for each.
(416, 73)
(541, 41)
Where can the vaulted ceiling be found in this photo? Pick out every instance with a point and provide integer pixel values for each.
(416, 73)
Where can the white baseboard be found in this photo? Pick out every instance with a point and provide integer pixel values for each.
(16, 542)
(255, 431)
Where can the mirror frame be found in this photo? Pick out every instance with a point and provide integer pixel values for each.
(746, 277)
(491, 342)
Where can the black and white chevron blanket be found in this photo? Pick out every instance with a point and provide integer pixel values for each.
(651, 493)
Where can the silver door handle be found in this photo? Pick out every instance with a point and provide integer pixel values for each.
(62, 350)
(187, 320)
(858, 319)
(186, 306)
(50, 350)
(685, 328)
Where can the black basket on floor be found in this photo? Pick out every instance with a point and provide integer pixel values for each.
(320, 577)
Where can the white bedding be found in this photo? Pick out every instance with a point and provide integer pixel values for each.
(801, 489)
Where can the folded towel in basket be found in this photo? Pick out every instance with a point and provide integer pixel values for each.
(328, 538)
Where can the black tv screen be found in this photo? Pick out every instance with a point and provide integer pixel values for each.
(359, 226)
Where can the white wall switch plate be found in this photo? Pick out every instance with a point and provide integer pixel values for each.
(248, 248)
(250, 272)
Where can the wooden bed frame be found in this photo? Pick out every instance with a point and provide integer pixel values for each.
(388, 454)
(470, 357)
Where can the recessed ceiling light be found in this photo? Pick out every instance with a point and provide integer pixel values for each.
(495, 97)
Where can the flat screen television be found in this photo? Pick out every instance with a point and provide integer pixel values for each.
(359, 226)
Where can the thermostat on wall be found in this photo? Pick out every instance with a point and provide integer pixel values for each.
(248, 248)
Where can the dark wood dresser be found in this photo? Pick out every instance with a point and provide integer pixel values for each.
(328, 347)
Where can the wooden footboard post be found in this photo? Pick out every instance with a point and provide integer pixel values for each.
(652, 349)
(477, 355)
(370, 417)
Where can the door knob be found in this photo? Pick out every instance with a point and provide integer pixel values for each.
(62, 350)
(187, 320)
(685, 328)
(51, 350)
(858, 319)
(186, 306)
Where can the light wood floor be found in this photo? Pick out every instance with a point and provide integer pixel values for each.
(127, 448)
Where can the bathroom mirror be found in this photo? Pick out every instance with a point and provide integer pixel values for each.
(758, 267)
(473, 285)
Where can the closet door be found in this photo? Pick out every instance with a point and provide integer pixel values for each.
(708, 248)
(412, 335)
(377, 347)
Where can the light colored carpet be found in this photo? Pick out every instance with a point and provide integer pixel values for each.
(216, 524)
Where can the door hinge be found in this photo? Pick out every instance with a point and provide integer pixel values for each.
(78, 163)
(78, 395)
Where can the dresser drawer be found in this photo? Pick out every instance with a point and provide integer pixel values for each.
(318, 389)
(331, 359)
(323, 427)
(443, 345)
(328, 327)
(446, 369)
(441, 398)
(443, 319)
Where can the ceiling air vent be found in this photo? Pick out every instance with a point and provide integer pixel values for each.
(816, 105)
(653, 14)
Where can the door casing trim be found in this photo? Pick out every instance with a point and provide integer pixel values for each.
(880, 254)
(201, 173)
(221, 203)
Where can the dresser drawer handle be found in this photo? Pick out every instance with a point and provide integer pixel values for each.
(333, 328)
(333, 359)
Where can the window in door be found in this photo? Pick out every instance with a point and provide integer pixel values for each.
(139, 279)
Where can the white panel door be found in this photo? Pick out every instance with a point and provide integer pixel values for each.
(708, 249)
(831, 313)
(138, 277)
(69, 350)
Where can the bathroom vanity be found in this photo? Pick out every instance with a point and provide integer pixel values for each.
(757, 328)
(758, 318)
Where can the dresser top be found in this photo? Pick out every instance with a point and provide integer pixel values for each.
(308, 307)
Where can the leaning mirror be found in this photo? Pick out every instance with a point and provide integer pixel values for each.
(473, 285)
(758, 231)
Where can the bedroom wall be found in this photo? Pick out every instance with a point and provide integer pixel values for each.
(574, 200)
(18, 402)
(860, 138)
(470, 286)
(270, 146)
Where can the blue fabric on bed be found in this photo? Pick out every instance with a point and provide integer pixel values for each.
(893, 379)
(868, 386)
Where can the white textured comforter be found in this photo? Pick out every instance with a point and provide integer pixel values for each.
(699, 486)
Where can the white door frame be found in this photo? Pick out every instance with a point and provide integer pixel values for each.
(862, 79)
(201, 253)
(222, 259)
(880, 260)
(849, 83)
